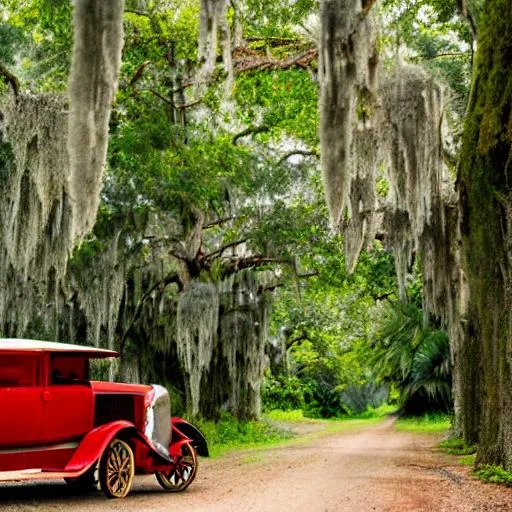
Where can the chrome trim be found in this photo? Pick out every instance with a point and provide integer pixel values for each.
(158, 421)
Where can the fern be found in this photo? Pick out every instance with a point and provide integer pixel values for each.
(415, 357)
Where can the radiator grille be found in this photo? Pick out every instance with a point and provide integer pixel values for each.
(113, 407)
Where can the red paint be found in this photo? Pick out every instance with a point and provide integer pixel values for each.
(48, 415)
(92, 446)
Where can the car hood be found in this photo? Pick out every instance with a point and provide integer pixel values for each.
(119, 387)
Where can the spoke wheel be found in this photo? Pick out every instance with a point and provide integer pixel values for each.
(182, 472)
(117, 467)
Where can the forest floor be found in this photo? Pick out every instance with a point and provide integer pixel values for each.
(361, 469)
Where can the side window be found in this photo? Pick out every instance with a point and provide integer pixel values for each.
(18, 370)
(66, 369)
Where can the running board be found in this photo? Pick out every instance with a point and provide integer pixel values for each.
(36, 474)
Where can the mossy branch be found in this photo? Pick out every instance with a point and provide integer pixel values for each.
(10, 79)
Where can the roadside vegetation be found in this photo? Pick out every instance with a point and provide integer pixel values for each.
(278, 426)
(427, 423)
(467, 456)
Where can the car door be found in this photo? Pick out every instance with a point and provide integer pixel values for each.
(67, 400)
(20, 399)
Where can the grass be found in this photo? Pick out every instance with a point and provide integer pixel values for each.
(468, 460)
(426, 424)
(457, 446)
(228, 434)
(298, 415)
(295, 416)
(275, 428)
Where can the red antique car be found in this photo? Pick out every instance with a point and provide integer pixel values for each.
(56, 423)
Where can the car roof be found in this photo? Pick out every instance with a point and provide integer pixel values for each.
(15, 344)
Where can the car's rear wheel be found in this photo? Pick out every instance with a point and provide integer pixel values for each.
(117, 468)
(182, 472)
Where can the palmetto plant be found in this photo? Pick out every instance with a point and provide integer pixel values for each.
(415, 357)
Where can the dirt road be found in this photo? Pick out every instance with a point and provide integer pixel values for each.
(371, 469)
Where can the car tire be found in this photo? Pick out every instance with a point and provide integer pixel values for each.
(117, 469)
(182, 473)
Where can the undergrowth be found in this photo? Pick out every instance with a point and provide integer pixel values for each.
(493, 474)
(468, 460)
(428, 423)
(298, 415)
(228, 434)
(457, 446)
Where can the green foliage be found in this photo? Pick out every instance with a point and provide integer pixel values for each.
(328, 322)
(427, 423)
(468, 460)
(287, 99)
(277, 19)
(228, 434)
(324, 401)
(431, 33)
(494, 474)
(457, 446)
(415, 357)
(284, 392)
(38, 34)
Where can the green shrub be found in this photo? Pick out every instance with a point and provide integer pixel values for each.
(324, 402)
(494, 474)
(285, 393)
(228, 433)
(457, 446)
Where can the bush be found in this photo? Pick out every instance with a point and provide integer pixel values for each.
(228, 433)
(494, 475)
(283, 392)
(324, 401)
(457, 446)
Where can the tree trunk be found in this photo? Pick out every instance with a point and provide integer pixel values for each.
(485, 390)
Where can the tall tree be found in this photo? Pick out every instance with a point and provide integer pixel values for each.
(485, 378)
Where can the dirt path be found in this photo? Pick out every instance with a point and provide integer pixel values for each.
(371, 469)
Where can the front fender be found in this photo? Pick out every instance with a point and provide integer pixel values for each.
(187, 430)
(94, 444)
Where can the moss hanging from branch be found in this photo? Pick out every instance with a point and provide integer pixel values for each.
(214, 23)
(50, 194)
(96, 61)
(35, 213)
(197, 323)
(347, 74)
(243, 331)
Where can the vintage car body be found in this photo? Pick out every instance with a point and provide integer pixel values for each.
(56, 423)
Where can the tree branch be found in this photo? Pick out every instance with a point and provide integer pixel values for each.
(219, 252)
(218, 222)
(137, 12)
(10, 79)
(440, 55)
(301, 337)
(298, 152)
(189, 105)
(158, 95)
(302, 60)
(138, 73)
(250, 131)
